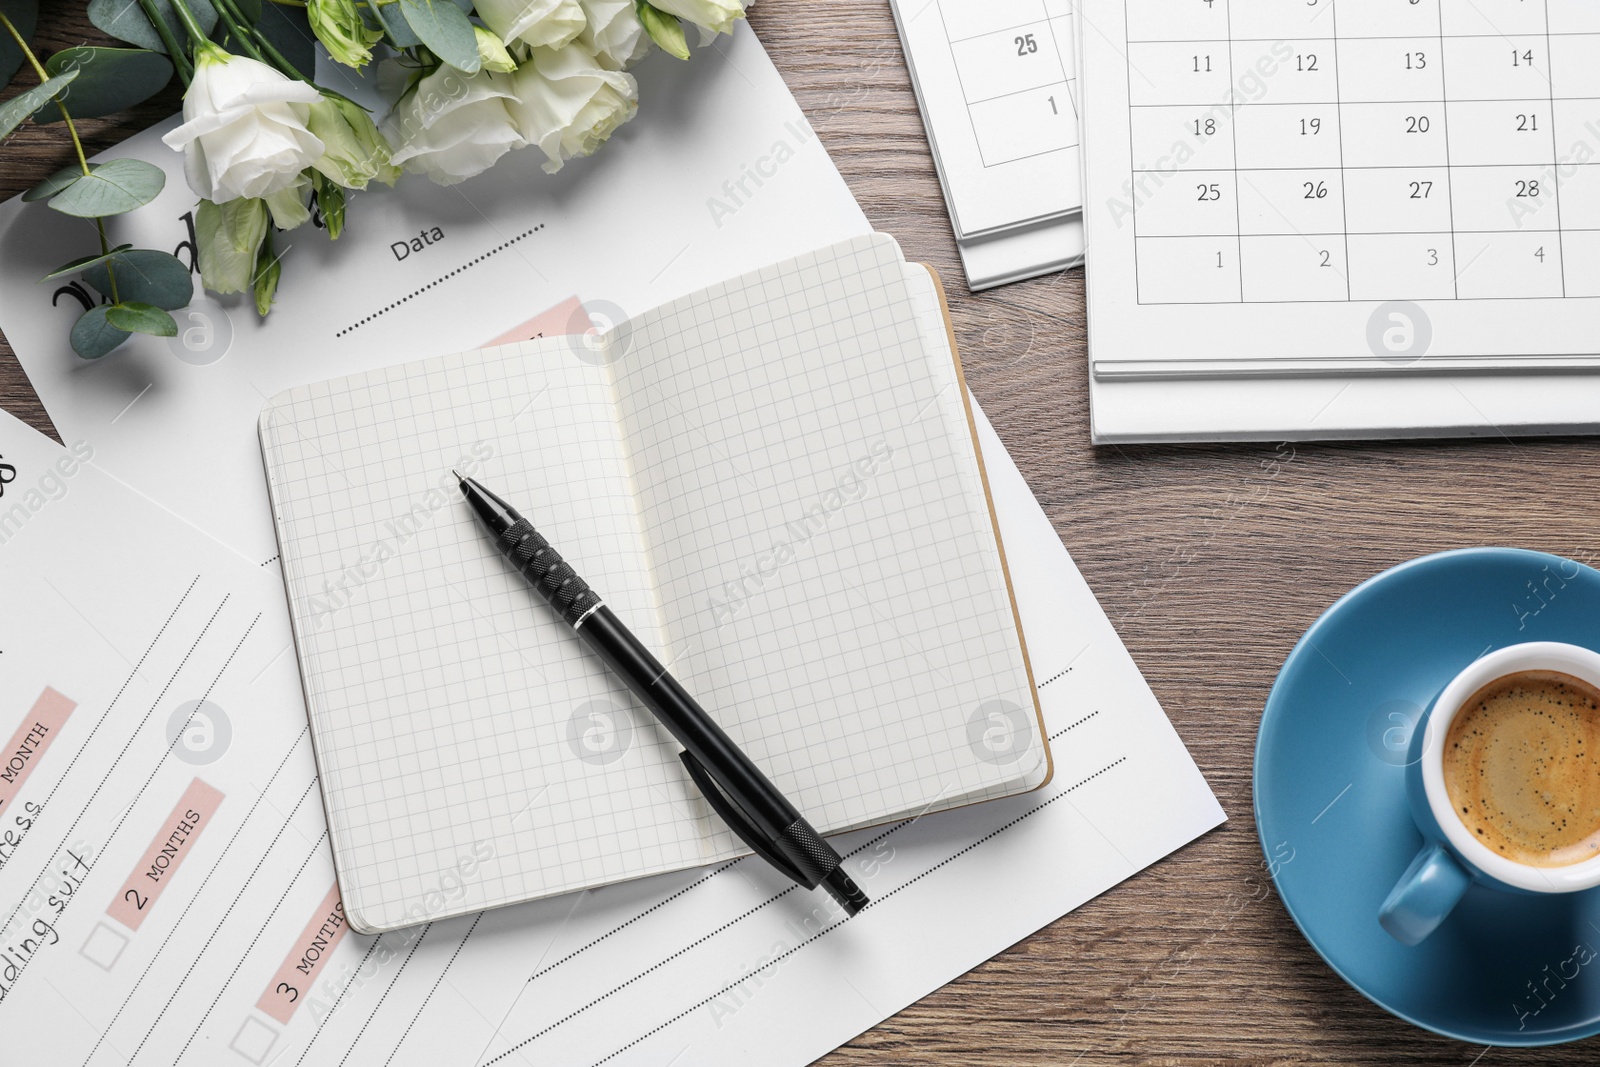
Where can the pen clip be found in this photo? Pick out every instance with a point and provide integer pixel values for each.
(731, 814)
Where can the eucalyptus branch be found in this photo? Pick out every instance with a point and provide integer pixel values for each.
(105, 246)
(72, 128)
(33, 60)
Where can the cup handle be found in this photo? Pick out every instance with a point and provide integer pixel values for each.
(1429, 890)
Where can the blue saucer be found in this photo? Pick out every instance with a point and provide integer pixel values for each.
(1331, 804)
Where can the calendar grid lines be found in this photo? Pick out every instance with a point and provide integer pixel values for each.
(996, 85)
(1420, 153)
(955, 60)
(1555, 147)
(995, 33)
(1233, 115)
(1338, 110)
(1449, 189)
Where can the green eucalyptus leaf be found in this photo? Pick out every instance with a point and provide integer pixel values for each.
(93, 336)
(111, 188)
(445, 29)
(24, 15)
(54, 184)
(19, 107)
(145, 275)
(83, 262)
(109, 79)
(134, 316)
(126, 21)
(289, 31)
(391, 19)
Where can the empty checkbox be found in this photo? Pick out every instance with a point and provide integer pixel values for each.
(254, 1040)
(104, 946)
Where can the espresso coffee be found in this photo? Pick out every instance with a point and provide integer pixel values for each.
(1522, 767)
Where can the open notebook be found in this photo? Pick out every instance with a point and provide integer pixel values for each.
(774, 482)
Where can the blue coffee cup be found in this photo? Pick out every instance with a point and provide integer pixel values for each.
(1452, 859)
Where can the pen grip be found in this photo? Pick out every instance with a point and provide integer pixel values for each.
(544, 568)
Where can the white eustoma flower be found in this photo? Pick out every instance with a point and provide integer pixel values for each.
(713, 16)
(567, 104)
(452, 126)
(614, 34)
(244, 132)
(537, 23)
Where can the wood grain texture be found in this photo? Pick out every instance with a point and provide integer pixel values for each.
(1210, 570)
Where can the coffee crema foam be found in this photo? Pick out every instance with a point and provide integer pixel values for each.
(1522, 767)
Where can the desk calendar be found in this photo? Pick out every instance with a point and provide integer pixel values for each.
(1372, 186)
(997, 84)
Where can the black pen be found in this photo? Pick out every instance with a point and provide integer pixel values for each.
(734, 787)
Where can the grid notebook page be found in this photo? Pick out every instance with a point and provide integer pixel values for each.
(829, 574)
(456, 720)
(1356, 185)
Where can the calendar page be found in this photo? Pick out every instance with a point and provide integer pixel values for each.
(1350, 185)
(996, 82)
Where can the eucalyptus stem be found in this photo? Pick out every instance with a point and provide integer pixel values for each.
(175, 51)
(105, 246)
(72, 128)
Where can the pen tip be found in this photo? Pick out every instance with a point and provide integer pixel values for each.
(457, 474)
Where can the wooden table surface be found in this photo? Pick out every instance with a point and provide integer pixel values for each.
(1209, 569)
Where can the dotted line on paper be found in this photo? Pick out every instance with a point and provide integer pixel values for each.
(692, 885)
(407, 1032)
(796, 948)
(660, 903)
(876, 900)
(1055, 677)
(997, 831)
(360, 967)
(1075, 725)
(126, 682)
(204, 948)
(387, 990)
(251, 947)
(160, 698)
(648, 970)
(441, 279)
